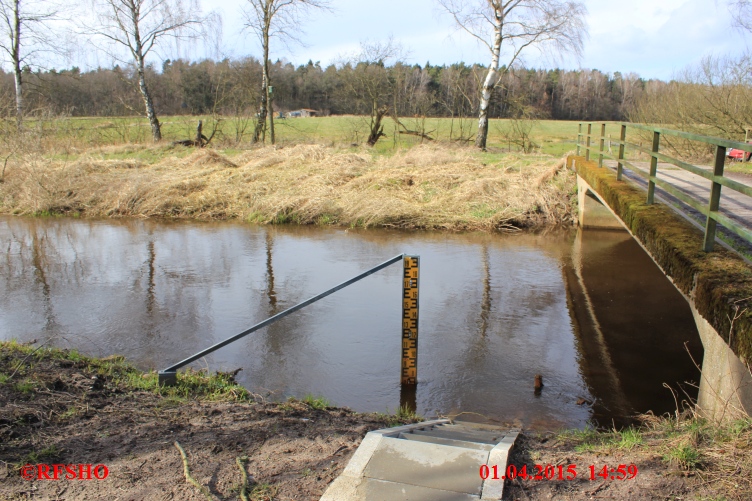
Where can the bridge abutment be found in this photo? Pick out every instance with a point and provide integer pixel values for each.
(592, 212)
(726, 383)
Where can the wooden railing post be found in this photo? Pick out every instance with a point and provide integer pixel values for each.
(579, 138)
(587, 143)
(620, 166)
(602, 144)
(653, 167)
(715, 199)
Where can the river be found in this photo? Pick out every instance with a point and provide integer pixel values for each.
(588, 310)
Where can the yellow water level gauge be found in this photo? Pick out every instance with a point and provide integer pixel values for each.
(410, 285)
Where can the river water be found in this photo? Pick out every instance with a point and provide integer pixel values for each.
(588, 310)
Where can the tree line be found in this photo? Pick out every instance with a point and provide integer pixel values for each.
(233, 87)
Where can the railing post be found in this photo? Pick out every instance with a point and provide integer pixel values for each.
(715, 199)
(579, 136)
(602, 144)
(587, 150)
(410, 282)
(653, 167)
(622, 138)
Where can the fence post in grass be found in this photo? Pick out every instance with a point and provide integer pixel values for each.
(579, 138)
(602, 144)
(653, 167)
(715, 199)
(587, 143)
(410, 282)
(620, 165)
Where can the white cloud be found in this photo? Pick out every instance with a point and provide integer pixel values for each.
(653, 38)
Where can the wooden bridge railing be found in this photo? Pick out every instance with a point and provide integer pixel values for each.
(715, 176)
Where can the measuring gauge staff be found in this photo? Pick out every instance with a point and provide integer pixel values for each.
(410, 284)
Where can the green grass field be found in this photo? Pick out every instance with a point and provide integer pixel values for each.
(551, 137)
(68, 137)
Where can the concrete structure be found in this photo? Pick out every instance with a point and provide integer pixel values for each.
(717, 285)
(599, 215)
(431, 461)
(305, 112)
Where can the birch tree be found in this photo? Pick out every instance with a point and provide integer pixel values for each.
(24, 32)
(140, 26)
(270, 19)
(509, 28)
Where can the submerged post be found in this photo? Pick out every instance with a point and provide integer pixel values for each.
(410, 320)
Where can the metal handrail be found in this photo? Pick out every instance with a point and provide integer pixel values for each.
(168, 376)
(716, 177)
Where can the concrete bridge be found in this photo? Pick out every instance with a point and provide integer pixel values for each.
(717, 285)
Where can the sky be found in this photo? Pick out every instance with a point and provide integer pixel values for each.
(653, 38)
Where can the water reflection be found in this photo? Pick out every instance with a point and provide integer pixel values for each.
(644, 325)
(495, 311)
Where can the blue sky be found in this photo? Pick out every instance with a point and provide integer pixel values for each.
(653, 38)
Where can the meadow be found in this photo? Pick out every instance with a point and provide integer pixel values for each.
(69, 134)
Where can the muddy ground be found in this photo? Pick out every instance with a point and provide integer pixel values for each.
(74, 416)
(57, 411)
(655, 478)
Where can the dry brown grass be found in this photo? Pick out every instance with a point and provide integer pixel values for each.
(436, 187)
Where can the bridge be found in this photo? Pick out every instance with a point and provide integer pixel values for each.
(618, 193)
(437, 460)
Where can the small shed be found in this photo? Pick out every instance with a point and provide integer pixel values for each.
(305, 112)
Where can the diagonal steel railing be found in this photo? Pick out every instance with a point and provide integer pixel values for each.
(168, 376)
(716, 177)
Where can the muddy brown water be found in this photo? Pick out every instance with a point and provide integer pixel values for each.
(588, 310)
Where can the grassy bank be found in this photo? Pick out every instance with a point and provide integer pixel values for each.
(427, 186)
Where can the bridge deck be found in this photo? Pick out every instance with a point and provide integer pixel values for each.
(735, 205)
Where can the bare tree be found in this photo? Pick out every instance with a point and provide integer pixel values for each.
(139, 26)
(24, 32)
(741, 11)
(508, 28)
(370, 84)
(712, 98)
(270, 19)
